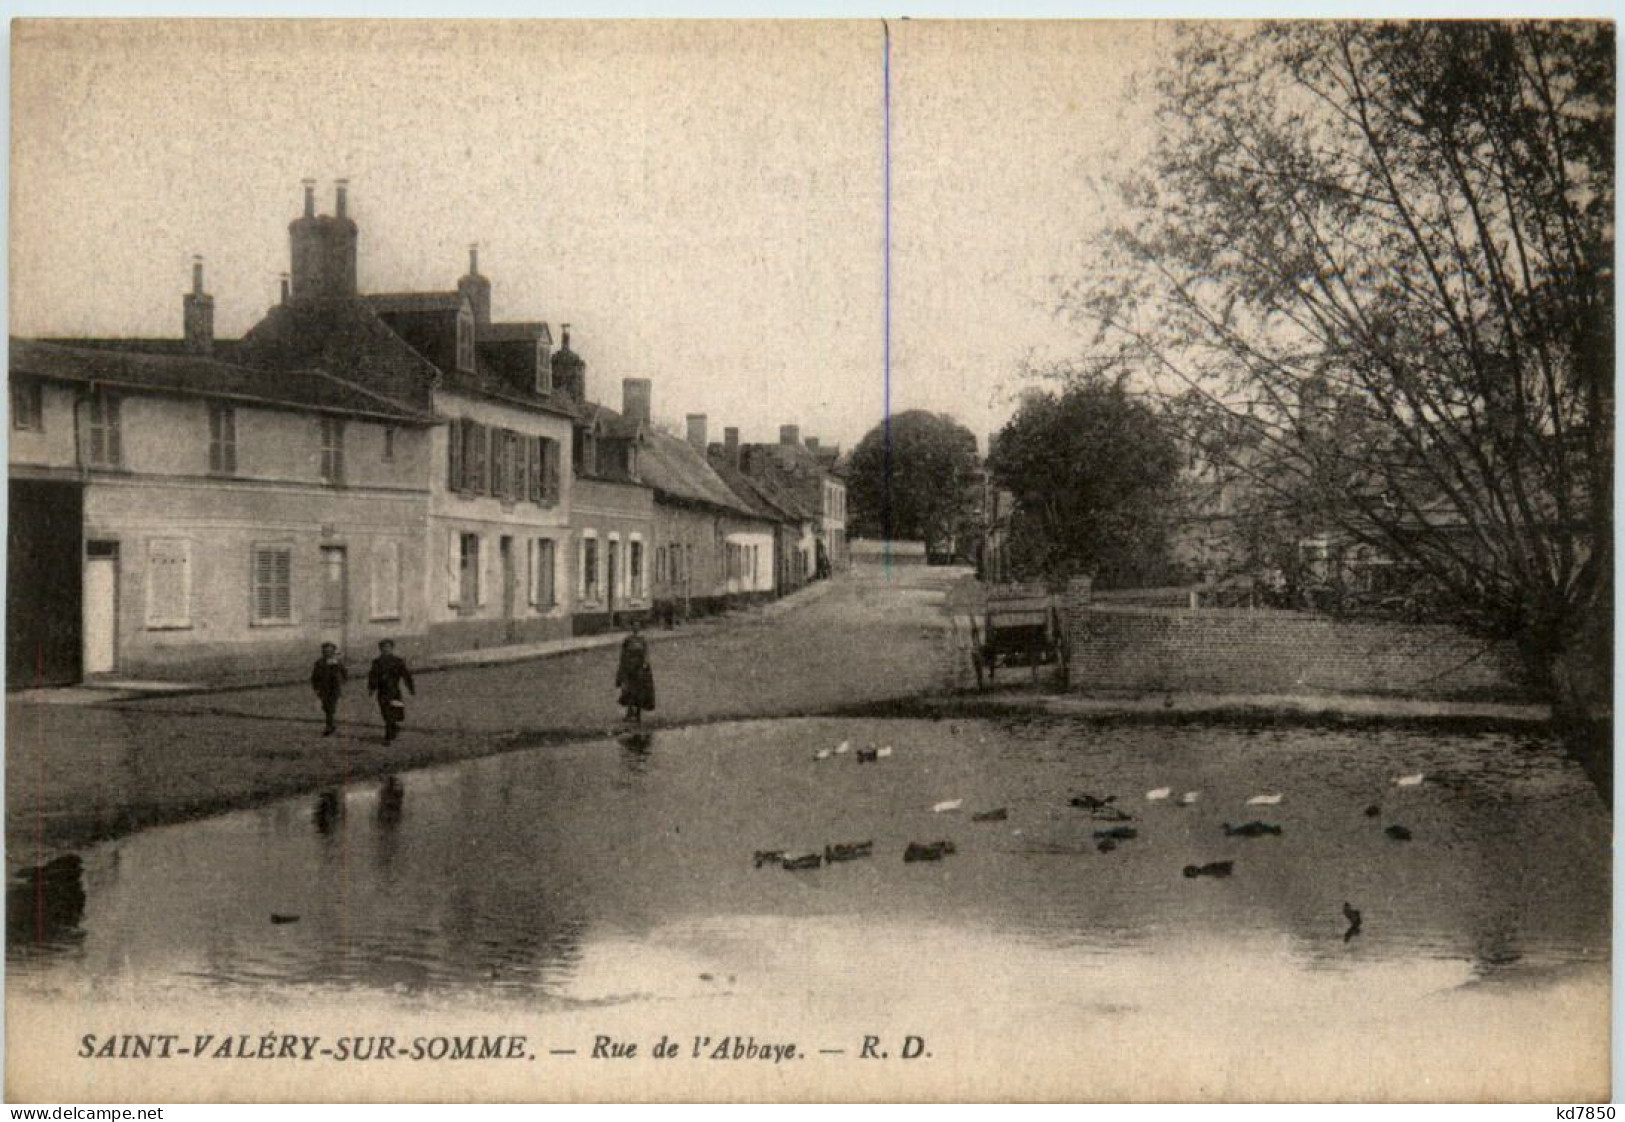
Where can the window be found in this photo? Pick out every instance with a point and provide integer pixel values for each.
(454, 455)
(332, 450)
(589, 568)
(386, 580)
(476, 461)
(660, 565)
(470, 573)
(169, 583)
(465, 338)
(634, 564)
(389, 444)
(222, 439)
(501, 463)
(272, 579)
(105, 445)
(543, 592)
(27, 408)
(544, 367)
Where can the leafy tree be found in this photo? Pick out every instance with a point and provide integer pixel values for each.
(1382, 252)
(1093, 472)
(913, 477)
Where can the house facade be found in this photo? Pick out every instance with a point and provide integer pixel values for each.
(612, 519)
(177, 516)
(808, 472)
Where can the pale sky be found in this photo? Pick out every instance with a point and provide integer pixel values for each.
(702, 202)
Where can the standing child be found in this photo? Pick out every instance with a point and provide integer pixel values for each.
(327, 678)
(635, 677)
(385, 679)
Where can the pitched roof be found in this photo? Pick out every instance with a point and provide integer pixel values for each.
(674, 468)
(386, 302)
(195, 375)
(774, 501)
(343, 338)
(514, 332)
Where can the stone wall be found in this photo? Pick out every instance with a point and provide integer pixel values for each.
(1272, 652)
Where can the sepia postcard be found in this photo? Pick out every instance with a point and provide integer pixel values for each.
(870, 560)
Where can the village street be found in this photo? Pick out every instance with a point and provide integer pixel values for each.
(75, 773)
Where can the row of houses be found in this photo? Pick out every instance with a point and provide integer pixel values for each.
(367, 465)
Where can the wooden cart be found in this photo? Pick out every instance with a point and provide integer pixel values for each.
(1019, 623)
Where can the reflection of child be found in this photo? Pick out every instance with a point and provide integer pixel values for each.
(327, 678)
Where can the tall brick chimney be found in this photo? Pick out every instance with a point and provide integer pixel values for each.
(696, 431)
(476, 289)
(637, 398)
(323, 249)
(789, 434)
(197, 314)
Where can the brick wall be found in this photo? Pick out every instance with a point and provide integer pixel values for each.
(1271, 652)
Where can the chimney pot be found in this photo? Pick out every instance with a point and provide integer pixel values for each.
(341, 189)
(310, 197)
(474, 260)
(197, 314)
(730, 446)
(284, 288)
(789, 434)
(564, 337)
(197, 276)
(696, 431)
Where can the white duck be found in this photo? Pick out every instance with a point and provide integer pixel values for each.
(883, 751)
(843, 747)
(1265, 800)
(1158, 793)
(951, 804)
(1189, 797)
(1409, 780)
(822, 754)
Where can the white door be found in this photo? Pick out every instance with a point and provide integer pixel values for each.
(101, 614)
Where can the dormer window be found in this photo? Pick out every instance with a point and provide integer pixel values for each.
(544, 367)
(465, 338)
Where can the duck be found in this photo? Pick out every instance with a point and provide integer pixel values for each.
(768, 857)
(950, 804)
(1091, 802)
(281, 917)
(928, 851)
(847, 851)
(1409, 780)
(998, 814)
(1253, 829)
(1373, 811)
(1398, 833)
(1211, 869)
(1158, 793)
(1189, 797)
(843, 747)
(883, 752)
(1106, 845)
(803, 861)
(822, 754)
(1265, 800)
(868, 755)
(1352, 914)
(1118, 833)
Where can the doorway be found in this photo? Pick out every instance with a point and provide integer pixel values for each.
(335, 595)
(101, 607)
(613, 584)
(45, 574)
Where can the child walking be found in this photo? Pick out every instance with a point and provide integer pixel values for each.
(327, 678)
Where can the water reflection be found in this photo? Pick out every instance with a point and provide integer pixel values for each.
(511, 874)
(45, 904)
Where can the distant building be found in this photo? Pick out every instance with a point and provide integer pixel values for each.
(810, 473)
(612, 517)
(795, 546)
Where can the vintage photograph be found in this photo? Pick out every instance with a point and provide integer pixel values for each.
(868, 560)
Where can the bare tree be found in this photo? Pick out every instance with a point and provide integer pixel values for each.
(1378, 257)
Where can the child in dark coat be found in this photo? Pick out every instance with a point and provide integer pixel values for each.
(388, 673)
(327, 678)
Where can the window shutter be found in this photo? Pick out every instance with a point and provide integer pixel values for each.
(533, 458)
(480, 560)
(284, 584)
(454, 455)
(550, 470)
(454, 565)
(549, 594)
